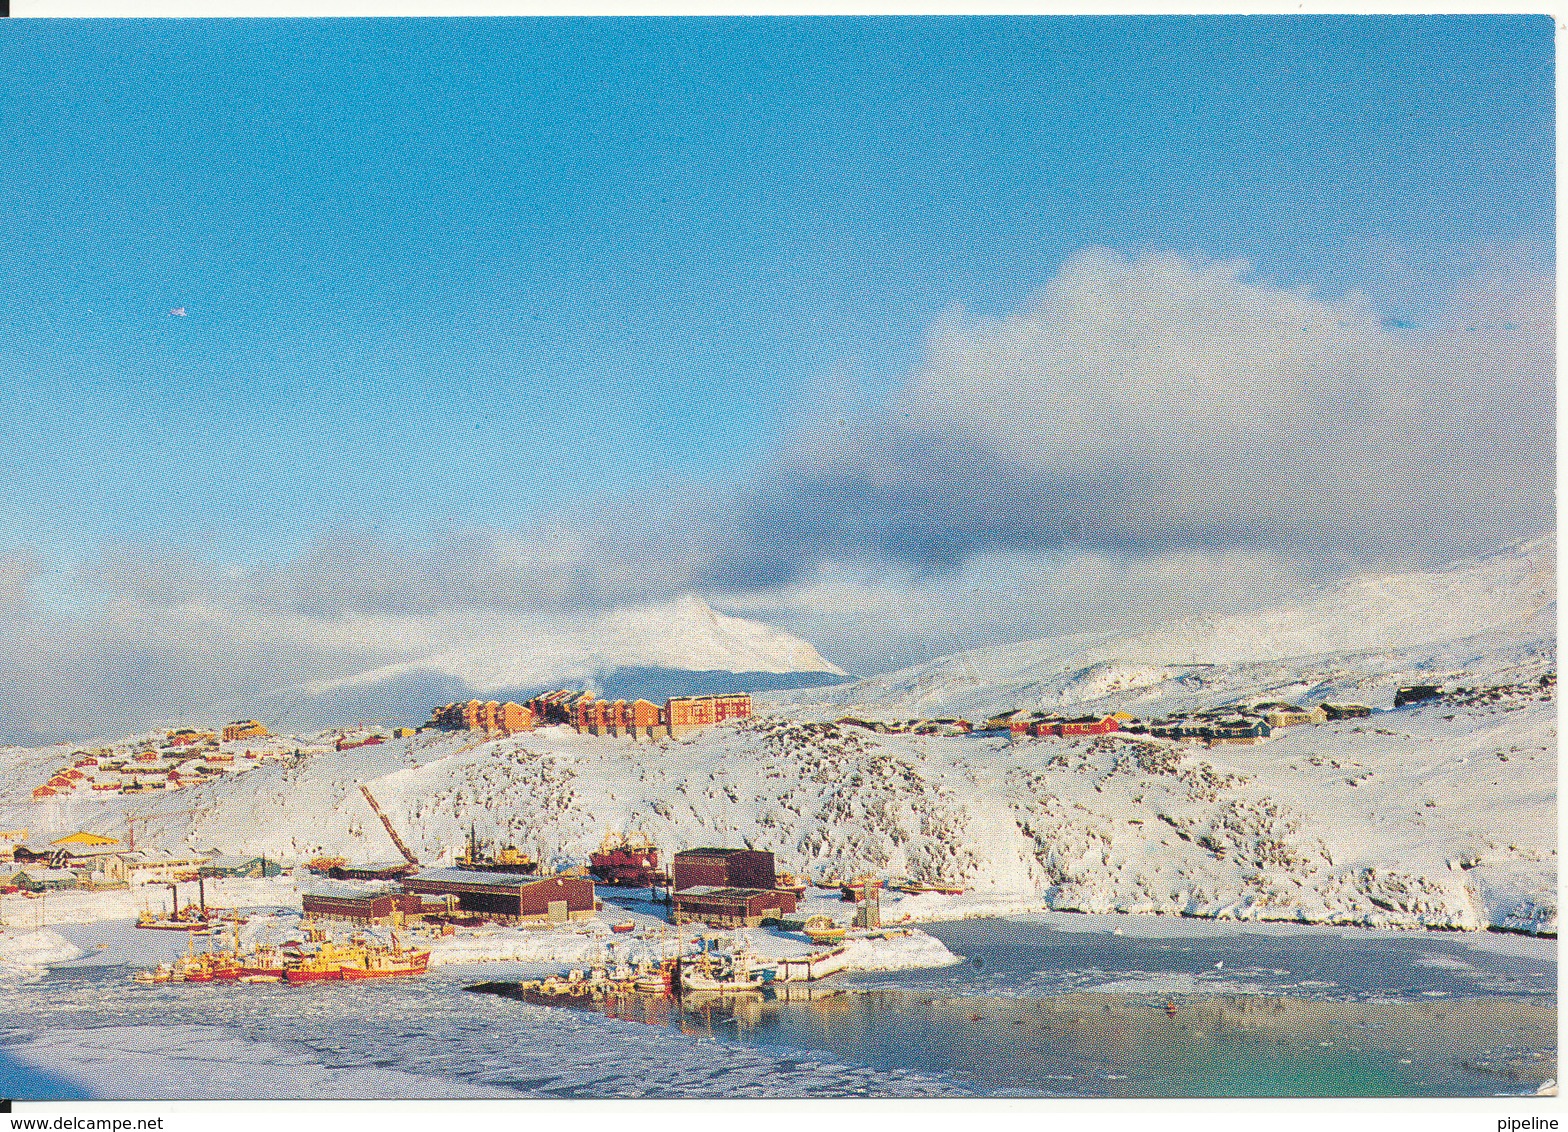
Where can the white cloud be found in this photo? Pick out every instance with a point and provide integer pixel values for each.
(1160, 403)
(1145, 437)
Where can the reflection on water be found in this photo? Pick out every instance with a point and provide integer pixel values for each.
(1034, 1009)
(1228, 1045)
(1088, 1044)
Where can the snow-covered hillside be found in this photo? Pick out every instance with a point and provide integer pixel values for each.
(1477, 619)
(1442, 814)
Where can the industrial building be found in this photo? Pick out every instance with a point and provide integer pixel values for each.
(373, 870)
(46, 880)
(150, 866)
(723, 868)
(382, 907)
(227, 865)
(731, 907)
(727, 887)
(1279, 715)
(508, 896)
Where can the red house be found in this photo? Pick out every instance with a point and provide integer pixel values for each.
(1089, 725)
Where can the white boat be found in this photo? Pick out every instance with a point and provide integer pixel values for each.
(719, 974)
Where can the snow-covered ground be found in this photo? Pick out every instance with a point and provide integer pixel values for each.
(188, 1062)
(1439, 815)
(25, 951)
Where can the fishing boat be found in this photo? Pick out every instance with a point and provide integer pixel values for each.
(195, 970)
(789, 882)
(326, 962)
(823, 929)
(313, 969)
(628, 860)
(656, 980)
(719, 974)
(913, 888)
(227, 966)
(386, 965)
(264, 962)
(377, 962)
(179, 923)
(162, 973)
(261, 978)
(623, 927)
(854, 891)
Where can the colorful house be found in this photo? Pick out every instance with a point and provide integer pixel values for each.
(684, 714)
(1089, 725)
(646, 719)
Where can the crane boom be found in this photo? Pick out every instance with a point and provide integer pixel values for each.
(387, 822)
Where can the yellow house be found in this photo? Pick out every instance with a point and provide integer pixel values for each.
(244, 729)
(88, 840)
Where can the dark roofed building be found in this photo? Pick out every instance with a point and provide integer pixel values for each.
(239, 865)
(375, 870)
(509, 896)
(731, 907)
(723, 868)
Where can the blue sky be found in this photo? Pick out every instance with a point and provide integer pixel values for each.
(489, 271)
(905, 335)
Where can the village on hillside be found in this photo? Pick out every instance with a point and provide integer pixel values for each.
(717, 886)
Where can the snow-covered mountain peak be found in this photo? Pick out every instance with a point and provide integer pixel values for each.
(684, 634)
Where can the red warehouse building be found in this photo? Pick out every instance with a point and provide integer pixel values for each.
(724, 868)
(731, 907)
(509, 896)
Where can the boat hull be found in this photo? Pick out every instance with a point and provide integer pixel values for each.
(295, 975)
(391, 971)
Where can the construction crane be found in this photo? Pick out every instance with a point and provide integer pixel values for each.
(387, 822)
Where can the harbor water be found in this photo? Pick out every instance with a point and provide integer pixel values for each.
(1037, 1006)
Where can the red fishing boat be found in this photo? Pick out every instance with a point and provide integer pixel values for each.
(626, 860)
